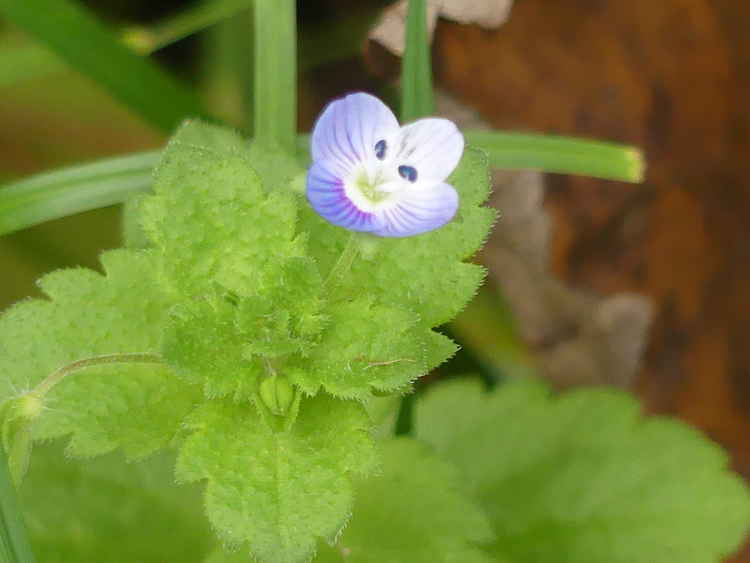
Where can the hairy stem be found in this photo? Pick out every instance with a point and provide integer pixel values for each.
(57, 376)
(343, 264)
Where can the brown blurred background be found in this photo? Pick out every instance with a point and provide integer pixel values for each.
(672, 77)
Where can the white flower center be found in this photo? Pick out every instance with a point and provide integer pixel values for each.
(374, 185)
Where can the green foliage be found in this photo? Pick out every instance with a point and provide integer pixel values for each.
(203, 345)
(357, 354)
(583, 478)
(106, 510)
(277, 491)
(211, 220)
(289, 317)
(62, 26)
(414, 511)
(423, 274)
(89, 315)
(63, 192)
(232, 292)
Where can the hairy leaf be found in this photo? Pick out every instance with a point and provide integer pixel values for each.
(108, 510)
(414, 511)
(274, 493)
(366, 346)
(583, 478)
(210, 219)
(90, 315)
(204, 346)
(226, 343)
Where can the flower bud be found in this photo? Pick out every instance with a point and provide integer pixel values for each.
(277, 394)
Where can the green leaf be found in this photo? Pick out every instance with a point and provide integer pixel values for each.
(564, 155)
(274, 493)
(416, 72)
(584, 478)
(14, 543)
(74, 34)
(366, 346)
(89, 315)
(107, 510)
(223, 341)
(277, 169)
(416, 510)
(210, 219)
(26, 61)
(204, 346)
(66, 191)
(275, 84)
(289, 317)
(425, 274)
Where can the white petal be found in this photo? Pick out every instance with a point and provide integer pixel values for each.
(418, 211)
(433, 146)
(348, 129)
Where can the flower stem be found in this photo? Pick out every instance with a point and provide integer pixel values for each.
(343, 264)
(57, 376)
(14, 545)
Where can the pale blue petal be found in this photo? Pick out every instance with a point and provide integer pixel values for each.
(419, 211)
(326, 194)
(433, 146)
(349, 128)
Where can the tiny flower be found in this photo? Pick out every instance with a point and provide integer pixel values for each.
(371, 175)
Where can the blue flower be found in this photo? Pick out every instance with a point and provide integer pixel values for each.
(371, 175)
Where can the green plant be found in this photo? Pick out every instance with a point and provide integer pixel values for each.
(261, 351)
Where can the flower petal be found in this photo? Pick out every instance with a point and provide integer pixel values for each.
(326, 194)
(348, 130)
(433, 146)
(419, 211)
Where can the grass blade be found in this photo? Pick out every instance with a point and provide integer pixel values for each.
(275, 85)
(26, 62)
(76, 36)
(67, 191)
(60, 193)
(416, 102)
(14, 545)
(34, 61)
(416, 72)
(172, 29)
(564, 155)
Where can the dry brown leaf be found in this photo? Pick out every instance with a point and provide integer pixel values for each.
(390, 30)
(576, 337)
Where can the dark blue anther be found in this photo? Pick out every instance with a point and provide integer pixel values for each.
(408, 173)
(380, 147)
